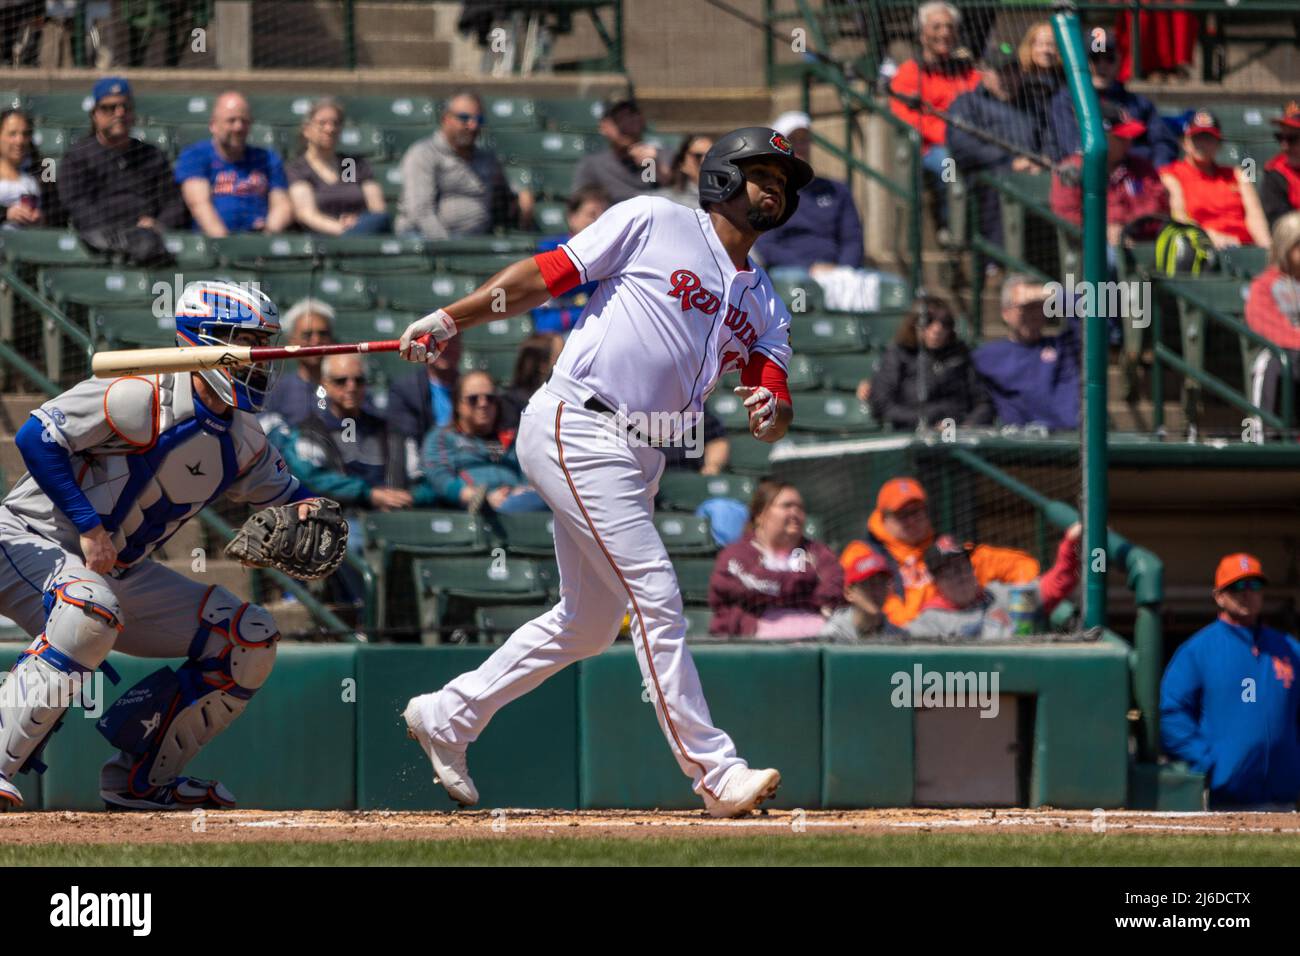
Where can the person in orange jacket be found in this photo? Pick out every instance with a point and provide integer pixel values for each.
(900, 530)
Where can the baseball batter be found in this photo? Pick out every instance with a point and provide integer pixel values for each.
(115, 467)
(678, 303)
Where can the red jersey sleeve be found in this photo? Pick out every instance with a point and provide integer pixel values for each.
(558, 271)
(761, 370)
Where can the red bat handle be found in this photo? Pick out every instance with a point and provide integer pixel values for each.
(271, 353)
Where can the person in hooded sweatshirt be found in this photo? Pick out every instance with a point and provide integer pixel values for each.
(927, 376)
(1229, 700)
(899, 530)
(962, 607)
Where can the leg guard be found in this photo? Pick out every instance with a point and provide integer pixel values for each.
(162, 722)
(82, 620)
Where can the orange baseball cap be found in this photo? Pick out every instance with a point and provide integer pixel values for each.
(897, 493)
(1235, 567)
(869, 565)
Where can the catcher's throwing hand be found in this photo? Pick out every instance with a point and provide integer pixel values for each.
(307, 540)
(425, 338)
(761, 404)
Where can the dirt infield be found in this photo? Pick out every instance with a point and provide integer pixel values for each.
(261, 826)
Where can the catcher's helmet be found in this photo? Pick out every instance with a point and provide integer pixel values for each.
(211, 313)
(721, 178)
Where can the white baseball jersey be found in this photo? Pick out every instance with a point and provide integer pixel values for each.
(671, 313)
(148, 456)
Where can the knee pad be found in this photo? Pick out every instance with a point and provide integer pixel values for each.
(171, 715)
(82, 618)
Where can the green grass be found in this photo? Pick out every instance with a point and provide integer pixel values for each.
(787, 849)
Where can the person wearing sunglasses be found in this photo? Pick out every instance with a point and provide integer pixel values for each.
(1279, 192)
(1230, 701)
(683, 184)
(473, 463)
(112, 181)
(452, 186)
(1157, 144)
(629, 167)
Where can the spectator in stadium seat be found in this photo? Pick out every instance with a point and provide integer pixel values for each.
(1279, 193)
(926, 374)
(451, 186)
(20, 192)
(683, 185)
(1033, 378)
(823, 239)
(775, 582)
(1273, 311)
(298, 396)
(899, 530)
(536, 357)
(994, 108)
(228, 185)
(1157, 145)
(1220, 199)
(561, 313)
(628, 167)
(1230, 701)
(333, 195)
(963, 607)
(110, 181)
(1134, 188)
(423, 400)
(924, 88)
(867, 584)
(473, 462)
(1041, 77)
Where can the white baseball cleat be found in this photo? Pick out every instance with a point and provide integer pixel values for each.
(742, 791)
(11, 798)
(449, 767)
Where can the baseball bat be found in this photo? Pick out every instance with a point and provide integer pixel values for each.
(196, 358)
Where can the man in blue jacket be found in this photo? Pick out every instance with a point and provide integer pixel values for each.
(1158, 145)
(1032, 378)
(1229, 702)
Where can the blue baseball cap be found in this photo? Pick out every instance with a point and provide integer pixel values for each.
(111, 86)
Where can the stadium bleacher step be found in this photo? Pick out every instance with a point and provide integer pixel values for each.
(14, 410)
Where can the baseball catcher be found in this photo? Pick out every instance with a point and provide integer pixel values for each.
(114, 468)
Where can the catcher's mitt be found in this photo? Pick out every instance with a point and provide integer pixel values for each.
(307, 549)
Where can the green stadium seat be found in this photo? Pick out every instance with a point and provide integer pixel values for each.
(551, 218)
(389, 177)
(52, 141)
(511, 113)
(499, 334)
(499, 365)
(10, 100)
(362, 139)
(496, 622)
(174, 109)
(832, 413)
(192, 250)
(805, 373)
(97, 286)
(521, 178)
(338, 289)
(697, 622)
(574, 115)
(528, 147)
(120, 327)
(687, 490)
(893, 294)
(483, 245)
(61, 109)
(481, 266)
(160, 137)
(371, 255)
(531, 534)
(260, 134)
(685, 535)
(280, 109)
(879, 328)
(44, 247)
(693, 579)
(1245, 262)
(402, 138)
(750, 456)
(425, 532)
(421, 293)
(824, 334)
(370, 325)
(729, 408)
(1248, 123)
(499, 578)
(420, 112)
(800, 296)
(667, 143)
(844, 372)
(266, 253)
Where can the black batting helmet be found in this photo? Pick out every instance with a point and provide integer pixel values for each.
(721, 177)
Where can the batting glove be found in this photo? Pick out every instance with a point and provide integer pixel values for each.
(762, 408)
(425, 338)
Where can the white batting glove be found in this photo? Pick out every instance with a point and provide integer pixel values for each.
(762, 408)
(425, 338)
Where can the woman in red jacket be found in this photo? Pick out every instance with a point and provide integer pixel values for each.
(1273, 310)
(775, 582)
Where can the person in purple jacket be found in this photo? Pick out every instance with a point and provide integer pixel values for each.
(1033, 378)
(1229, 700)
(775, 582)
